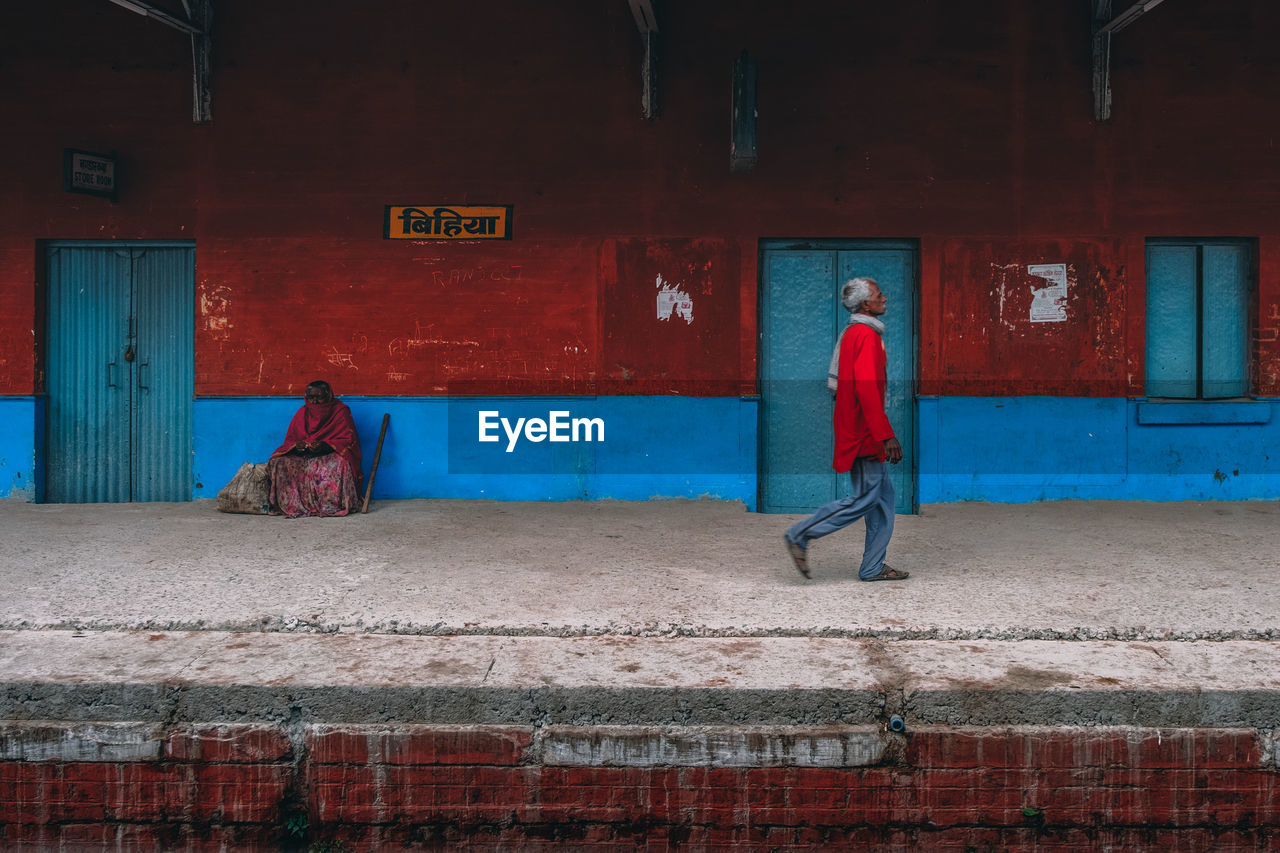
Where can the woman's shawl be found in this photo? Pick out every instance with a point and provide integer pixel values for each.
(328, 422)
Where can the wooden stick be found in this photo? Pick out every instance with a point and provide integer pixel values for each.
(373, 472)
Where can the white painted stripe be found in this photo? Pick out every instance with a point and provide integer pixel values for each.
(80, 741)
(702, 746)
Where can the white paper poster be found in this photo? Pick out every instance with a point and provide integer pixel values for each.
(1049, 303)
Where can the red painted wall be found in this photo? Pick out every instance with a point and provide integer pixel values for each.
(238, 787)
(967, 127)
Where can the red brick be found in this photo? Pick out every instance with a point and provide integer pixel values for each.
(1000, 749)
(100, 772)
(338, 746)
(940, 748)
(472, 746)
(353, 775)
(629, 808)
(73, 835)
(941, 817)
(952, 777)
(135, 837)
(238, 792)
(229, 744)
(998, 812)
(773, 796)
(439, 796)
(352, 812)
(1219, 749)
(421, 745)
(39, 836)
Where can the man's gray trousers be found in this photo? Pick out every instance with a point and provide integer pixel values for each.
(872, 499)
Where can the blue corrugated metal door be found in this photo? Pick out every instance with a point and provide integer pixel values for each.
(801, 317)
(119, 372)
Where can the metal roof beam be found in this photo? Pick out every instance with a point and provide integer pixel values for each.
(1128, 16)
(149, 11)
(201, 14)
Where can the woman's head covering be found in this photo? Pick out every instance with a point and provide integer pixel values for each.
(329, 421)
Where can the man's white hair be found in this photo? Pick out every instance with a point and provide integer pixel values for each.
(855, 292)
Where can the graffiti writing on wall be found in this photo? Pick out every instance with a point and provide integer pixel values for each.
(421, 338)
(444, 278)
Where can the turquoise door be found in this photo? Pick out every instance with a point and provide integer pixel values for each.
(801, 318)
(1198, 297)
(119, 372)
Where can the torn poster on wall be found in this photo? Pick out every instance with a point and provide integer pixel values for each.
(1049, 303)
(673, 302)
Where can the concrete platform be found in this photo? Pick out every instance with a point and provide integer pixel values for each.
(661, 612)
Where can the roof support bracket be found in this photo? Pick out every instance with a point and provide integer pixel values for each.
(649, 96)
(647, 23)
(198, 25)
(1101, 61)
(201, 12)
(1104, 24)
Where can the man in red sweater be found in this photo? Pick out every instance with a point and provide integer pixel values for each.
(864, 440)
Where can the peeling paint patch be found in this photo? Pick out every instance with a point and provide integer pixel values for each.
(214, 304)
(1001, 273)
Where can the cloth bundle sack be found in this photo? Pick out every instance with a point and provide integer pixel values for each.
(247, 491)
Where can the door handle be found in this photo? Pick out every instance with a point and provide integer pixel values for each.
(142, 386)
(110, 383)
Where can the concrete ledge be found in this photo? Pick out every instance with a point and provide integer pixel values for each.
(213, 677)
(642, 746)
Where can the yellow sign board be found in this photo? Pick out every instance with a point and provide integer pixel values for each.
(453, 222)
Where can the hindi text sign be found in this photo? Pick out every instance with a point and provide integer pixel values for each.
(447, 222)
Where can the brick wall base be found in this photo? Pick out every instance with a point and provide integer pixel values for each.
(121, 787)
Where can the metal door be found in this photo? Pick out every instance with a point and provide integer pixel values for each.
(119, 372)
(801, 318)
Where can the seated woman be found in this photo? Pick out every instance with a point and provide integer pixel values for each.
(317, 469)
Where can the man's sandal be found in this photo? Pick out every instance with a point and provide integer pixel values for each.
(889, 573)
(799, 556)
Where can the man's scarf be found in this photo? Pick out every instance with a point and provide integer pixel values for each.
(833, 372)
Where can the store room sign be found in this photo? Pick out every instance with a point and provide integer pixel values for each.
(447, 222)
(86, 172)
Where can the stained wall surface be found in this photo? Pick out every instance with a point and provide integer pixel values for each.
(966, 128)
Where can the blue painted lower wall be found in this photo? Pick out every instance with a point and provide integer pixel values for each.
(1020, 449)
(1002, 449)
(651, 447)
(21, 433)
